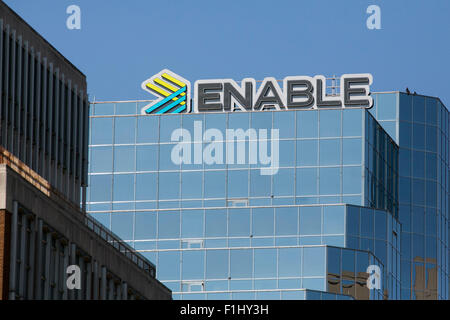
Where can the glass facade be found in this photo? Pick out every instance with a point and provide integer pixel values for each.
(420, 127)
(223, 230)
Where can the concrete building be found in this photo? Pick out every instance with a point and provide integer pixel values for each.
(45, 237)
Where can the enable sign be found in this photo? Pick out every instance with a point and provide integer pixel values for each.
(225, 95)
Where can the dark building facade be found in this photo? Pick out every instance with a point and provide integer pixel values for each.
(43, 171)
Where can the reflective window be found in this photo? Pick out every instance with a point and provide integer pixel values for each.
(287, 153)
(286, 221)
(239, 222)
(123, 187)
(352, 122)
(289, 262)
(330, 123)
(168, 224)
(122, 224)
(352, 179)
(307, 181)
(285, 122)
(307, 152)
(387, 106)
(145, 226)
(283, 182)
(192, 224)
(367, 222)
(147, 158)
(101, 132)
(167, 126)
(168, 265)
(193, 265)
(310, 220)
(313, 261)
(265, 263)
(262, 220)
(124, 130)
(241, 263)
(217, 264)
(216, 223)
(418, 109)
(214, 184)
(124, 160)
(260, 185)
(330, 181)
(146, 186)
(307, 124)
(147, 129)
(169, 185)
(333, 219)
(237, 184)
(191, 184)
(330, 151)
(352, 151)
(166, 162)
(101, 159)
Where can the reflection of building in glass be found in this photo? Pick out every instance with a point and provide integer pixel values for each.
(43, 173)
(220, 230)
(420, 127)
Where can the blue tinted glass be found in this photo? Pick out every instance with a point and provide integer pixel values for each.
(265, 263)
(307, 124)
(238, 183)
(405, 162)
(166, 160)
(285, 122)
(217, 264)
(122, 224)
(353, 220)
(124, 130)
(168, 265)
(387, 106)
(431, 140)
(330, 181)
(286, 221)
(192, 223)
(310, 220)
(289, 262)
(123, 187)
(101, 159)
(307, 181)
(405, 138)
(330, 151)
(102, 109)
(147, 158)
(168, 224)
(145, 227)
(330, 123)
(146, 186)
(352, 122)
(262, 222)
(405, 107)
(352, 180)
(238, 120)
(390, 127)
(283, 182)
(333, 219)
(124, 160)
(147, 129)
(287, 153)
(193, 265)
(352, 151)
(168, 124)
(260, 185)
(431, 110)
(418, 141)
(418, 162)
(191, 184)
(241, 263)
(418, 196)
(102, 131)
(214, 184)
(216, 223)
(169, 185)
(213, 121)
(418, 109)
(313, 261)
(307, 152)
(100, 187)
(261, 120)
(367, 223)
(239, 222)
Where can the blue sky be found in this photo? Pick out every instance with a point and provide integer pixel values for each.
(121, 43)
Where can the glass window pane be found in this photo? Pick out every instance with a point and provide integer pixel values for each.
(122, 224)
(352, 179)
(145, 227)
(307, 181)
(310, 220)
(287, 153)
(307, 124)
(330, 151)
(289, 262)
(286, 221)
(237, 184)
(191, 184)
(124, 160)
(193, 265)
(123, 187)
(147, 129)
(168, 265)
(285, 122)
(124, 130)
(283, 182)
(265, 263)
(100, 187)
(146, 186)
(352, 122)
(192, 224)
(330, 182)
(241, 263)
(147, 158)
(307, 154)
(387, 106)
(214, 184)
(167, 126)
(313, 261)
(101, 132)
(352, 150)
(217, 264)
(239, 222)
(334, 219)
(260, 185)
(168, 224)
(169, 185)
(330, 123)
(101, 159)
(262, 220)
(216, 223)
